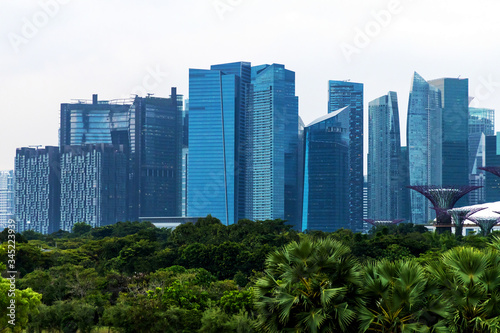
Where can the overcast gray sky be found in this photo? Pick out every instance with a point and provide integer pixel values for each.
(53, 51)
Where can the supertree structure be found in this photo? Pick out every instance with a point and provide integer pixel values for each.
(491, 169)
(460, 214)
(485, 223)
(443, 198)
(382, 222)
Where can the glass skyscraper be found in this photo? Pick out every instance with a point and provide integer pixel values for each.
(37, 189)
(274, 127)
(424, 137)
(492, 182)
(150, 129)
(481, 124)
(6, 197)
(342, 94)
(217, 148)
(385, 190)
(243, 143)
(93, 185)
(326, 173)
(455, 126)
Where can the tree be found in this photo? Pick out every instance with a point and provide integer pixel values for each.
(309, 286)
(399, 298)
(470, 279)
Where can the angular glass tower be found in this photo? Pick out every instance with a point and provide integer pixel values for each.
(274, 127)
(216, 166)
(342, 94)
(6, 197)
(38, 189)
(93, 185)
(481, 124)
(385, 190)
(455, 125)
(424, 136)
(326, 173)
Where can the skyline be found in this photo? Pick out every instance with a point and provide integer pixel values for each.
(118, 48)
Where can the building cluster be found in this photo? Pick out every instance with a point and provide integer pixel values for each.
(237, 149)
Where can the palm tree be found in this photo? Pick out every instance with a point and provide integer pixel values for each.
(309, 286)
(400, 298)
(470, 279)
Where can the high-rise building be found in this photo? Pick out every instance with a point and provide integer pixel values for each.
(492, 159)
(424, 137)
(404, 174)
(150, 129)
(342, 94)
(93, 185)
(185, 153)
(243, 143)
(481, 124)
(6, 197)
(37, 189)
(274, 133)
(455, 125)
(326, 173)
(385, 189)
(217, 147)
(156, 156)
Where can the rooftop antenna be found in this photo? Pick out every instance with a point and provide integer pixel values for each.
(150, 94)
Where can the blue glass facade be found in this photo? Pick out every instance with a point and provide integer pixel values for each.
(274, 150)
(326, 173)
(6, 197)
(455, 125)
(150, 129)
(93, 185)
(492, 182)
(37, 189)
(385, 189)
(341, 94)
(215, 141)
(424, 137)
(481, 124)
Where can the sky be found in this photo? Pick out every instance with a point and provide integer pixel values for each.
(57, 51)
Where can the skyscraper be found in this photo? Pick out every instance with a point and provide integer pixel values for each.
(492, 182)
(385, 190)
(216, 166)
(6, 197)
(424, 137)
(37, 189)
(342, 94)
(455, 125)
(481, 124)
(326, 173)
(93, 185)
(274, 127)
(150, 129)
(156, 156)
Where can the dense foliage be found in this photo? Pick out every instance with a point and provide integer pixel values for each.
(253, 277)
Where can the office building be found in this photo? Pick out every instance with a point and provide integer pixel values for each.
(217, 148)
(274, 132)
(481, 124)
(150, 130)
(455, 125)
(37, 189)
(424, 142)
(93, 185)
(492, 159)
(6, 197)
(326, 173)
(385, 190)
(342, 94)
